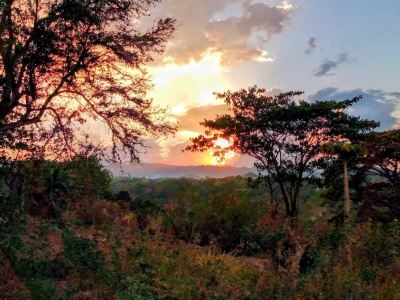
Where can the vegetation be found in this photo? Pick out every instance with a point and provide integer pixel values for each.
(66, 62)
(202, 239)
(284, 136)
(319, 222)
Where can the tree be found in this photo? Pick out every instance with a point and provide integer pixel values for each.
(283, 135)
(383, 155)
(381, 199)
(345, 153)
(64, 62)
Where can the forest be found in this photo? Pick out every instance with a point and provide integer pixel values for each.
(320, 220)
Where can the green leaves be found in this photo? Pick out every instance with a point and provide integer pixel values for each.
(344, 151)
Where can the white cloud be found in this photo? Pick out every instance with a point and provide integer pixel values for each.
(263, 57)
(230, 37)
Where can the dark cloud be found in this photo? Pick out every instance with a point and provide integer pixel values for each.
(376, 105)
(343, 57)
(328, 65)
(311, 45)
(199, 34)
(325, 67)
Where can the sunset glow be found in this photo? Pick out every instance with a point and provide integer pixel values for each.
(189, 85)
(225, 45)
(220, 160)
(208, 65)
(199, 149)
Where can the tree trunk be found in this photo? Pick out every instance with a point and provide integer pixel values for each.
(347, 203)
(347, 206)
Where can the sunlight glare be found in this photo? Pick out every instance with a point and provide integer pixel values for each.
(286, 5)
(179, 110)
(208, 65)
(220, 160)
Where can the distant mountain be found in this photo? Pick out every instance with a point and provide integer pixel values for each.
(156, 170)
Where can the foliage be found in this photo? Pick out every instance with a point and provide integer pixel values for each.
(383, 157)
(282, 134)
(334, 182)
(47, 187)
(345, 152)
(163, 190)
(66, 62)
(69, 260)
(186, 239)
(79, 252)
(381, 197)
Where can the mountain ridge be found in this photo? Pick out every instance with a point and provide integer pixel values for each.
(159, 170)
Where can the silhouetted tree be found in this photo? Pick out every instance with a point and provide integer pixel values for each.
(283, 135)
(381, 200)
(383, 155)
(64, 62)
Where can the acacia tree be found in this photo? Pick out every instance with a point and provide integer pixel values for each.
(64, 62)
(283, 135)
(383, 155)
(382, 162)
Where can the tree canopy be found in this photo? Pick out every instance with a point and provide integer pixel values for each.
(282, 134)
(383, 157)
(64, 62)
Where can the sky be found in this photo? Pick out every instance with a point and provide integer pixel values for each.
(330, 49)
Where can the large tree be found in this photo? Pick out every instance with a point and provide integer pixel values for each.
(282, 134)
(64, 62)
(383, 158)
(381, 198)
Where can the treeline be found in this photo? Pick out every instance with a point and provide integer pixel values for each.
(163, 190)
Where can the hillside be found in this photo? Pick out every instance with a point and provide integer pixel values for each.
(70, 231)
(156, 170)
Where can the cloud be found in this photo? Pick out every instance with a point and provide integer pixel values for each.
(193, 116)
(311, 45)
(325, 67)
(377, 105)
(328, 65)
(190, 121)
(177, 157)
(236, 38)
(395, 94)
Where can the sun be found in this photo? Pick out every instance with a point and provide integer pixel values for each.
(222, 159)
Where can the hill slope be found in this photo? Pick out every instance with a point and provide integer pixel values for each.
(156, 170)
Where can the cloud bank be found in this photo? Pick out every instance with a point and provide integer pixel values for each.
(234, 38)
(377, 105)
